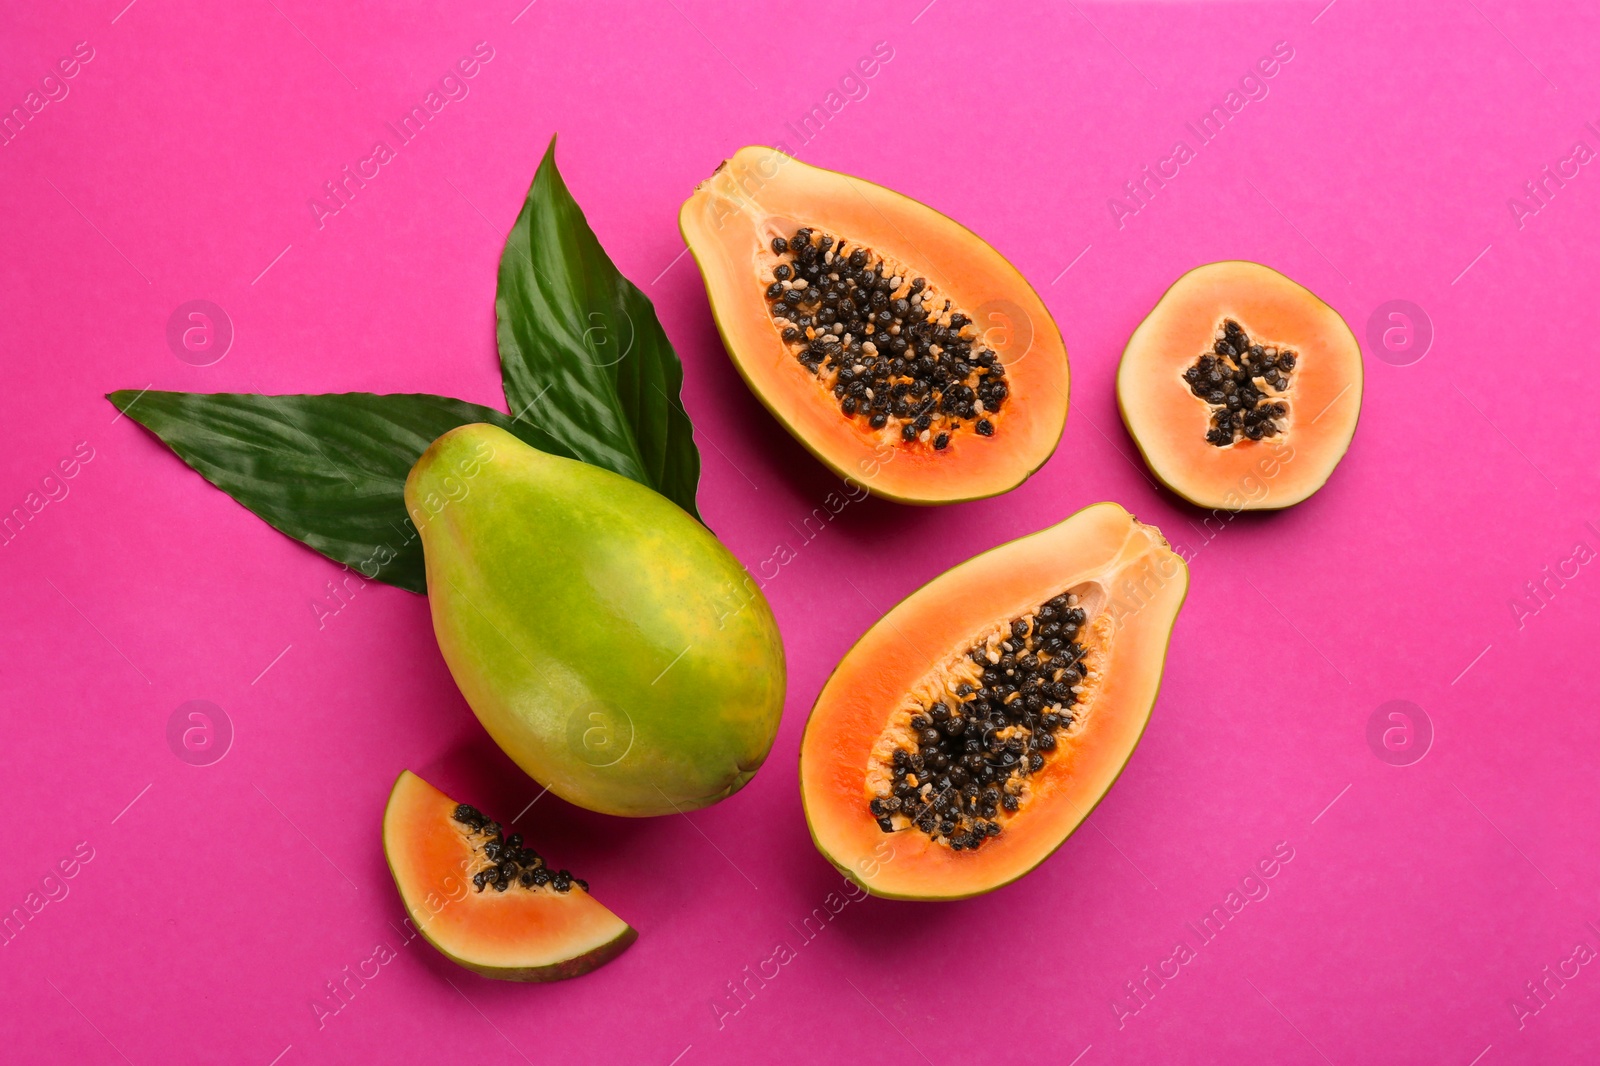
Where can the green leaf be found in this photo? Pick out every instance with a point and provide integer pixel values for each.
(589, 374)
(581, 350)
(328, 470)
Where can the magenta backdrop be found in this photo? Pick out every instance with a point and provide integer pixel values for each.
(1387, 158)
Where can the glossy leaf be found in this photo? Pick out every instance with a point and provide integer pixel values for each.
(582, 353)
(328, 470)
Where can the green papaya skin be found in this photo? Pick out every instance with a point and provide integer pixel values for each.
(606, 640)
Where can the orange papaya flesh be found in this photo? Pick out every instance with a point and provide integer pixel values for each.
(897, 346)
(970, 731)
(484, 901)
(1241, 388)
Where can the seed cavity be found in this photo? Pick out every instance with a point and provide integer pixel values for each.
(889, 348)
(960, 767)
(508, 862)
(1227, 377)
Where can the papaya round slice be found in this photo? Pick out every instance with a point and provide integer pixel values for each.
(893, 343)
(484, 900)
(976, 725)
(1241, 388)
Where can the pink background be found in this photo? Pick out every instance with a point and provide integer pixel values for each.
(1379, 167)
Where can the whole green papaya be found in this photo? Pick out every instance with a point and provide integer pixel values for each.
(607, 641)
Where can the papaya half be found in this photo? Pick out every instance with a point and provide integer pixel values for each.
(484, 900)
(896, 345)
(970, 731)
(1241, 388)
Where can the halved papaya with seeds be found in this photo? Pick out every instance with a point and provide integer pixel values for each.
(1241, 388)
(484, 900)
(893, 343)
(976, 725)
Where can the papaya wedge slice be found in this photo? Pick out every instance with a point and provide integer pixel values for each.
(483, 900)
